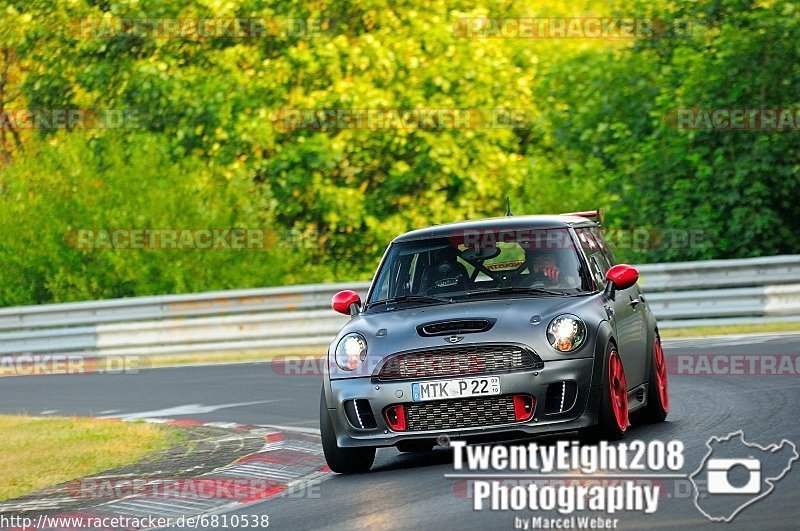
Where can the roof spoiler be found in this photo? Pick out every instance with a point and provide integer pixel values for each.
(594, 215)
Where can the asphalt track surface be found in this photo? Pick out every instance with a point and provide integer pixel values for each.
(410, 490)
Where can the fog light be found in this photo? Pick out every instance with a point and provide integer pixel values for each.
(523, 407)
(396, 417)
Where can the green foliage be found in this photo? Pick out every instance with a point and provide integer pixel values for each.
(739, 187)
(210, 149)
(127, 185)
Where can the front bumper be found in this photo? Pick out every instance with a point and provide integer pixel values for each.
(381, 394)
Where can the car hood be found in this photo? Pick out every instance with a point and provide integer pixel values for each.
(520, 320)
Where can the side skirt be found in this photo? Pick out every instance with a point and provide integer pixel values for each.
(637, 397)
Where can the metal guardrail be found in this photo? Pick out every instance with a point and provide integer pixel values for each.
(751, 290)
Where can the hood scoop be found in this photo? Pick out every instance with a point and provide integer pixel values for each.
(455, 326)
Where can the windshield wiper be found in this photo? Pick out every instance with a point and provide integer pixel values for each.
(408, 298)
(519, 290)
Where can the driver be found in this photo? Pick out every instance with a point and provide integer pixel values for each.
(543, 267)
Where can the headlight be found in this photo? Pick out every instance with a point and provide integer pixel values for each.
(351, 351)
(566, 332)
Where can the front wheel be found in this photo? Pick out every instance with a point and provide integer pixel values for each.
(613, 414)
(657, 393)
(341, 460)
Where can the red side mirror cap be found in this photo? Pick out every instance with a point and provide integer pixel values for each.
(622, 276)
(343, 301)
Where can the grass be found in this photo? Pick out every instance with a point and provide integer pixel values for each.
(728, 330)
(41, 452)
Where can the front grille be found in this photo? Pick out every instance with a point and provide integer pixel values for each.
(460, 413)
(464, 360)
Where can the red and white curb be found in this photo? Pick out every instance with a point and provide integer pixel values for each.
(290, 459)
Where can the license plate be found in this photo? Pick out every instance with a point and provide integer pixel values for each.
(461, 388)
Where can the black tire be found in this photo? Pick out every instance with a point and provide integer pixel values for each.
(607, 428)
(341, 460)
(656, 409)
(415, 446)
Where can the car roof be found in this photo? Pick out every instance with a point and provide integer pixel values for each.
(499, 223)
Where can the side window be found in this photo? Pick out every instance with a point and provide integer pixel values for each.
(602, 262)
(383, 284)
(397, 280)
(597, 270)
(593, 247)
(411, 277)
(606, 250)
(602, 265)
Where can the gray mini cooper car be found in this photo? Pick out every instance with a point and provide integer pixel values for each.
(489, 330)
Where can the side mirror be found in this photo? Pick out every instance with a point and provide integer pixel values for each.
(622, 276)
(347, 302)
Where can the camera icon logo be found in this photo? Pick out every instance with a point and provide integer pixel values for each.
(718, 481)
(735, 474)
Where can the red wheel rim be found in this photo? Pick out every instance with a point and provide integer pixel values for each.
(661, 374)
(619, 390)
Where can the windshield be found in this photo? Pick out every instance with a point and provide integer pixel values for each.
(540, 262)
